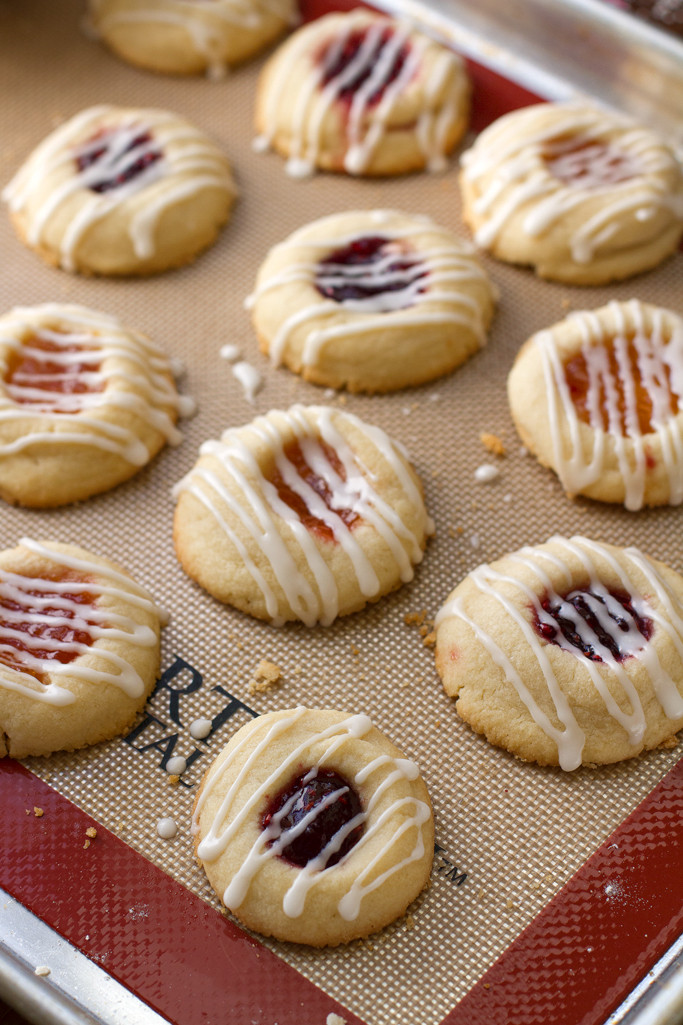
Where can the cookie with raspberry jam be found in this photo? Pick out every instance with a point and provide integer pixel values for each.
(583, 195)
(305, 514)
(566, 653)
(121, 191)
(362, 94)
(85, 403)
(598, 397)
(372, 301)
(313, 827)
(79, 648)
(182, 37)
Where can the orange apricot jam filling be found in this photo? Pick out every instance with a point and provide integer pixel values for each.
(45, 373)
(607, 389)
(296, 502)
(40, 624)
(588, 163)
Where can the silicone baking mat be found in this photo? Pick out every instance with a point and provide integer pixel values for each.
(536, 872)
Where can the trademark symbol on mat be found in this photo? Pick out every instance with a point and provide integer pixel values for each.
(446, 868)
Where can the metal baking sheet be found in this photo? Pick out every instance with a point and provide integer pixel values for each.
(517, 845)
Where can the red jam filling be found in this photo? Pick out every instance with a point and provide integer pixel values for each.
(119, 165)
(608, 619)
(348, 273)
(356, 59)
(586, 163)
(45, 630)
(299, 798)
(295, 456)
(31, 369)
(578, 379)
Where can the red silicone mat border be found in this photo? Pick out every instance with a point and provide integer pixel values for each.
(575, 963)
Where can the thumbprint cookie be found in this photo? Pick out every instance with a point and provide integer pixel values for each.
(362, 94)
(121, 191)
(566, 653)
(313, 827)
(79, 648)
(187, 38)
(305, 514)
(372, 301)
(599, 398)
(84, 404)
(583, 195)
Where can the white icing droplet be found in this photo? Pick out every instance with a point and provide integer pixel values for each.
(167, 828)
(200, 729)
(486, 473)
(42, 969)
(474, 541)
(249, 377)
(230, 352)
(176, 766)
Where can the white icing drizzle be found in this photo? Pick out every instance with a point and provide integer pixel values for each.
(205, 23)
(188, 163)
(512, 148)
(667, 616)
(249, 377)
(366, 124)
(237, 484)
(410, 814)
(97, 338)
(101, 624)
(660, 369)
(428, 285)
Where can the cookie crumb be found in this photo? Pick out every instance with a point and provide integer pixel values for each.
(415, 618)
(266, 675)
(430, 640)
(409, 923)
(86, 844)
(493, 443)
(42, 969)
(510, 905)
(91, 832)
(38, 812)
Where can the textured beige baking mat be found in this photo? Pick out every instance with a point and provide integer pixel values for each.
(509, 834)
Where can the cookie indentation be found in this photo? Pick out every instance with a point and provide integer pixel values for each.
(317, 816)
(624, 385)
(291, 493)
(588, 164)
(374, 268)
(49, 370)
(601, 624)
(119, 155)
(363, 60)
(43, 622)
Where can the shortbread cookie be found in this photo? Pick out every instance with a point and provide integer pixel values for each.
(301, 515)
(568, 652)
(189, 38)
(313, 827)
(599, 398)
(581, 194)
(84, 404)
(79, 648)
(121, 191)
(360, 93)
(372, 301)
